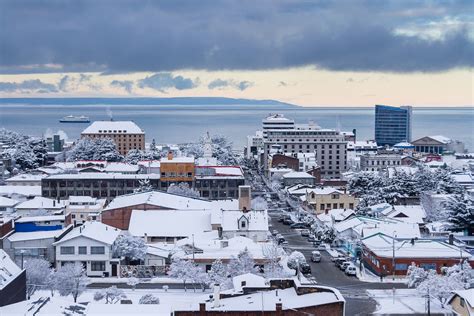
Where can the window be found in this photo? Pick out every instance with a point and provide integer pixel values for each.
(462, 302)
(97, 265)
(82, 250)
(97, 250)
(401, 266)
(322, 207)
(66, 250)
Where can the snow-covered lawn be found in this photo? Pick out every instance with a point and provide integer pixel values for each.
(404, 302)
(164, 280)
(367, 276)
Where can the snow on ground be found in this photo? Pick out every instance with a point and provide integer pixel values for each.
(404, 302)
(366, 276)
(114, 280)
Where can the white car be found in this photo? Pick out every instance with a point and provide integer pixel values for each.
(351, 270)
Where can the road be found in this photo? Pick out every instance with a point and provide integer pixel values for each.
(325, 272)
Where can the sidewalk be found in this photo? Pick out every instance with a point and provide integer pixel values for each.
(367, 276)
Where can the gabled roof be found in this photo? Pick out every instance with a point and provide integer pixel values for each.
(170, 201)
(173, 223)
(6, 202)
(9, 271)
(467, 295)
(93, 230)
(258, 220)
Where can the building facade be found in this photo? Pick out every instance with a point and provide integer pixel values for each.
(392, 124)
(437, 145)
(329, 146)
(379, 162)
(126, 134)
(324, 199)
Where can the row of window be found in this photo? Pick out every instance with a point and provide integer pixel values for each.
(81, 250)
(334, 206)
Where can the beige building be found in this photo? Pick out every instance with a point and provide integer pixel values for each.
(462, 302)
(322, 199)
(126, 134)
(84, 208)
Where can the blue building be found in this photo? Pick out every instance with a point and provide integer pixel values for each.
(392, 124)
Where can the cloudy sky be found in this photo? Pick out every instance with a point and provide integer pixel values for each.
(319, 52)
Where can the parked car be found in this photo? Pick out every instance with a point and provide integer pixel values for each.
(321, 247)
(316, 244)
(288, 221)
(311, 238)
(338, 256)
(305, 268)
(275, 232)
(316, 256)
(344, 265)
(284, 242)
(280, 240)
(351, 270)
(339, 261)
(297, 225)
(305, 233)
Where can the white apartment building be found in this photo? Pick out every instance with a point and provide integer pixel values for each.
(90, 245)
(328, 145)
(84, 208)
(379, 162)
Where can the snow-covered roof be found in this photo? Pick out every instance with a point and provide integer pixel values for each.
(299, 189)
(101, 309)
(366, 226)
(121, 167)
(392, 171)
(441, 139)
(177, 160)
(381, 245)
(403, 145)
(463, 178)
(81, 199)
(257, 220)
(467, 295)
(39, 202)
(337, 214)
(406, 213)
(8, 269)
(6, 202)
(25, 177)
(170, 201)
(173, 223)
(107, 127)
(362, 144)
(25, 236)
(251, 280)
(225, 170)
(51, 218)
(297, 175)
(100, 175)
(93, 230)
(149, 163)
(324, 191)
(26, 190)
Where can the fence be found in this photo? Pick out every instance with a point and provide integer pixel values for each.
(142, 271)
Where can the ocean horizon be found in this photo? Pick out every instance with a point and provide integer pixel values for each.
(179, 123)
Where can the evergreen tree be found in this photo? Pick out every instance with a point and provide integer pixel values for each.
(461, 213)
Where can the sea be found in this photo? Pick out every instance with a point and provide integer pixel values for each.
(174, 123)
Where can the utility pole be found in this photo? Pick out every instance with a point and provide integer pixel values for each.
(429, 307)
(193, 248)
(393, 255)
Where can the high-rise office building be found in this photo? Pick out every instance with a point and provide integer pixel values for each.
(392, 124)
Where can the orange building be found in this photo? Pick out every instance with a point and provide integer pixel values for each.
(126, 134)
(176, 169)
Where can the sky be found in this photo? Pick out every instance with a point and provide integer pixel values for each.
(310, 53)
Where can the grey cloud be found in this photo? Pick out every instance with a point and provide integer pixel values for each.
(84, 77)
(219, 84)
(164, 81)
(268, 34)
(34, 85)
(64, 83)
(127, 85)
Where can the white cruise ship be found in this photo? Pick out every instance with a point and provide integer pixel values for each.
(75, 119)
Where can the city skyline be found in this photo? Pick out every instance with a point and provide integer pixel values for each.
(304, 53)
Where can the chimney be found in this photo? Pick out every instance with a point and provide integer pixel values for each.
(451, 239)
(170, 155)
(217, 295)
(202, 309)
(278, 309)
(244, 197)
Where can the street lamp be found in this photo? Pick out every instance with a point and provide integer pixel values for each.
(22, 251)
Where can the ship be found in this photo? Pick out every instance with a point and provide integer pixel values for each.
(75, 119)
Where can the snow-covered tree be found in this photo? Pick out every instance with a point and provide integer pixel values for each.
(38, 271)
(462, 272)
(416, 275)
(242, 264)
(129, 247)
(94, 149)
(71, 280)
(221, 149)
(439, 286)
(112, 295)
(133, 282)
(149, 299)
(445, 183)
(182, 188)
(198, 276)
(276, 182)
(218, 274)
(133, 156)
(99, 295)
(259, 204)
(461, 213)
(144, 185)
(294, 259)
(180, 269)
(273, 268)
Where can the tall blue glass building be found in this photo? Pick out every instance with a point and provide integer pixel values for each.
(392, 124)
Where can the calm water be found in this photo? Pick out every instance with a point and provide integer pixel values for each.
(179, 123)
